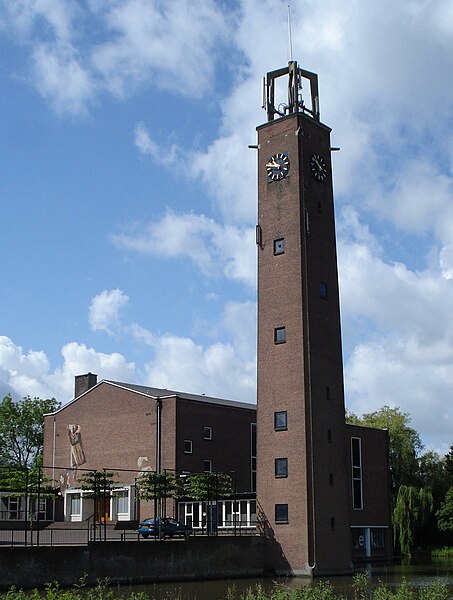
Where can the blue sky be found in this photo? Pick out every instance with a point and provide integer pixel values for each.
(128, 196)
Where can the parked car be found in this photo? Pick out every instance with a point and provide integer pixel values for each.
(163, 527)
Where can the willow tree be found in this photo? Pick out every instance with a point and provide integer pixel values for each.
(412, 505)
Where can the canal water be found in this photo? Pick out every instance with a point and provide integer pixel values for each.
(417, 573)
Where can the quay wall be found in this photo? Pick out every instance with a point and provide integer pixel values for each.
(132, 562)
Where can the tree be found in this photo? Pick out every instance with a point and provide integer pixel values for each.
(445, 513)
(405, 443)
(21, 431)
(156, 486)
(208, 486)
(448, 464)
(411, 509)
(98, 485)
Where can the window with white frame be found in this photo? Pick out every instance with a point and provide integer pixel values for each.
(75, 505)
(187, 446)
(356, 460)
(207, 433)
(231, 513)
(122, 502)
(208, 466)
(13, 508)
(41, 508)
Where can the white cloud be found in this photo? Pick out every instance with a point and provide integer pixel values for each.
(24, 16)
(174, 41)
(79, 359)
(213, 248)
(28, 373)
(217, 370)
(408, 373)
(138, 42)
(61, 78)
(146, 145)
(403, 356)
(144, 142)
(105, 308)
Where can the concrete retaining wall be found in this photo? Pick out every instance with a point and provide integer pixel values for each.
(133, 562)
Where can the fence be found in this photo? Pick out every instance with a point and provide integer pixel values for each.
(72, 506)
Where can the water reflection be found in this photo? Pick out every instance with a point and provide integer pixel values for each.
(416, 572)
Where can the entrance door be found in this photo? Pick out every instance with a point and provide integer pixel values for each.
(103, 512)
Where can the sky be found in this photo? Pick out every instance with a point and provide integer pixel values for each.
(128, 193)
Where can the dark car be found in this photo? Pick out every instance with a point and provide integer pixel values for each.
(163, 527)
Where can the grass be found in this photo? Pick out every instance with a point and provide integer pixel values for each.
(446, 551)
(322, 590)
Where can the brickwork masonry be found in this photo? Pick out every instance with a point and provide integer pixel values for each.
(133, 562)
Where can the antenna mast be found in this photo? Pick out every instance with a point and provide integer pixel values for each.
(290, 40)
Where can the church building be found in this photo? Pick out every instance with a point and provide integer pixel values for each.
(322, 487)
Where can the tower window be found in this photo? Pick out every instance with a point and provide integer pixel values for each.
(253, 456)
(328, 393)
(279, 246)
(330, 478)
(356, 460)
(281, 420)
(207, 433)
(187, 446)
(332, 522)
(281, 467)
(323, 290)
(279, 335)
(329, 435)
(281, 513)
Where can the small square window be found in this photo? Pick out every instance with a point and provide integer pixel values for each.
(207, 433)
(281, 513)
(323, 290)
(279, 335)
(187, 446)
(279, 246)
(208, 466)
(281, 467)
(280, 420)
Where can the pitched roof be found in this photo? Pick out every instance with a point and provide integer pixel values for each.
(165, 393)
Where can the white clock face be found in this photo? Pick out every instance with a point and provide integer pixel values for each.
(318, 167)
(277, 167)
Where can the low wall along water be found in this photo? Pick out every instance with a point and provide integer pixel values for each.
(130, 562)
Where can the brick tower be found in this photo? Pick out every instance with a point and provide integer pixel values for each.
(303, 487)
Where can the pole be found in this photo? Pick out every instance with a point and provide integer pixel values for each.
(104, 493)
(26, 507)
(158, 435)
(38, 500)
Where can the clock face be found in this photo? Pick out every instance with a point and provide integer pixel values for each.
(277, 166)
(318, 167)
